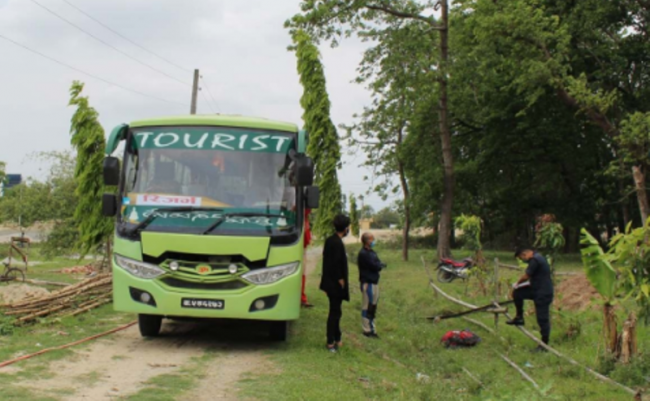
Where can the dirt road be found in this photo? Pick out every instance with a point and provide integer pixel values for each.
(216, 354)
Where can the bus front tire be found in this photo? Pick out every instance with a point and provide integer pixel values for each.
(149, 325)
(279, 331)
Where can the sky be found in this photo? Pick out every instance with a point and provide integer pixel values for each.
(239, 46)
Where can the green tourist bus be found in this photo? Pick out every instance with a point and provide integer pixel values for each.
(209, 219)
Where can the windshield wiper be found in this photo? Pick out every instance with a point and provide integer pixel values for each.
(144, 223)
(237, 214)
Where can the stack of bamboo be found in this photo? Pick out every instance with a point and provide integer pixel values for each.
(69, 301)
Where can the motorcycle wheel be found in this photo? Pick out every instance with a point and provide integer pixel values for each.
(445, 277)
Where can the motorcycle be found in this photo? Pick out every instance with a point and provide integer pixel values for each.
(449, 269)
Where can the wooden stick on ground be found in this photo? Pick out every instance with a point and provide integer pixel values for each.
(12, 361)
(520, 370)
(471, 376)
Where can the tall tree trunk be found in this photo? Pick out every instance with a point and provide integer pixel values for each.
(621, 190)
(641, 194)
(444, 248)
(407, 207)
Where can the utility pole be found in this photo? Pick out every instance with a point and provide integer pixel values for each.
(195, 91)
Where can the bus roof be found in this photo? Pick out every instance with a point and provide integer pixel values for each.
(217, 120)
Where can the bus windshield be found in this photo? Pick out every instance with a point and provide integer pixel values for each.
(241, 173)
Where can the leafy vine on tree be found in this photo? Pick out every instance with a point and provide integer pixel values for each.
(87, 138)
(323, 145)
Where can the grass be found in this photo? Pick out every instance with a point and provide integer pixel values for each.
(48, 332)
(168, 387)
(388, 369)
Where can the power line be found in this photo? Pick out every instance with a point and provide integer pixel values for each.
(87, 73)
(125, 38)
(216, 105)
(107, 44)
(206, 101)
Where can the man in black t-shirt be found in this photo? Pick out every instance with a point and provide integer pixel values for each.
(539, 289)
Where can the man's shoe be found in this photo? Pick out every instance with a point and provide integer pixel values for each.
(333, 349)
(518, 321)
(307, 305)
(372, 334)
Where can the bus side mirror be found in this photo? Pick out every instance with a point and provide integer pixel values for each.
(109, 205)
(312, 197)
(111, 171)
(304, 171)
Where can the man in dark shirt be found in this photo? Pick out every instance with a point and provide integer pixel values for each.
(369, 268)
(334, 281)
(540, 291)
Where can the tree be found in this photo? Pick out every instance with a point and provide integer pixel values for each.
(333, 18)
(354, 216)
(323, 145)
(590, 54)
(385, 218)
(87, 138)
(393, 69)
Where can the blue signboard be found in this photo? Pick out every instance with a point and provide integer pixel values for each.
(12, 180)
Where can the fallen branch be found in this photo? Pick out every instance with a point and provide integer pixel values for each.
(518, 369)
(487, 308)
(22, 358)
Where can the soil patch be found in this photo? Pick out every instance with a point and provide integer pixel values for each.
(15, 292)
(575, 293)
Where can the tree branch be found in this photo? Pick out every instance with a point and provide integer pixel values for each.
(401, 14)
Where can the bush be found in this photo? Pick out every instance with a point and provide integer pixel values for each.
(415, 242)
(634, 373)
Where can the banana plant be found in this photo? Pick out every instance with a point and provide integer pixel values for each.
(602, 276)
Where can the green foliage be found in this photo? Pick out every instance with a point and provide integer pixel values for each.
(385, 218)
(53, 199)
(87, 137)
(630, 253)
(634, 139)
(7, 326)
(598, 269)
(323, 145)
(354, 216)
(550, 237)
(471, 228)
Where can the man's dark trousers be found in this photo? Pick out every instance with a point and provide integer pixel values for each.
(542, 309)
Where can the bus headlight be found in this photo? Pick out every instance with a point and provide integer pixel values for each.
(270, 275)
(137, 268)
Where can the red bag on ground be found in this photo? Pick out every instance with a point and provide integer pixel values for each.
(462, 338)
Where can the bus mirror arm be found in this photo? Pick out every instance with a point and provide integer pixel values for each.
(109, 205)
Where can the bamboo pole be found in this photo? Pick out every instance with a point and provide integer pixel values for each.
(535, 339)
(520, 370)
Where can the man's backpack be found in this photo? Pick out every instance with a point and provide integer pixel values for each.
(462, 338)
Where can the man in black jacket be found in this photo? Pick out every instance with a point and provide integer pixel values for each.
(334, 280)
(536, 285)
(369, 268)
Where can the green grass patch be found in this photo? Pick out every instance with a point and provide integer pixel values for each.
(409, 363)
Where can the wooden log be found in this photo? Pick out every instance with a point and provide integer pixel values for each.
(89, 307)
(44, 282)
(40, 313)
(520, 370)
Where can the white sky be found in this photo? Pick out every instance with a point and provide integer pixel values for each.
(239, 46)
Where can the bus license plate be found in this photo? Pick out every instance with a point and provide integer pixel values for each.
(202, 303)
